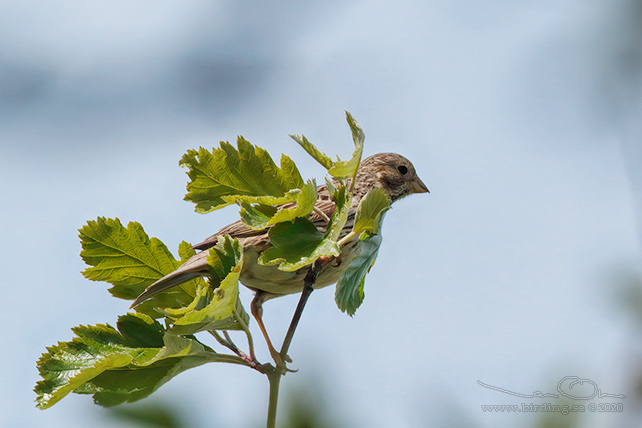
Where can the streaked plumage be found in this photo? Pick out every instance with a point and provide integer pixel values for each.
(392, 172)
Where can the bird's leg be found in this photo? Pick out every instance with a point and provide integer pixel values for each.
(257, 311)
(256, 307)
(308, 287)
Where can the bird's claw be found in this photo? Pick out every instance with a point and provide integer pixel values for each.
(281, 360)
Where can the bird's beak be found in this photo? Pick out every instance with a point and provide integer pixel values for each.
(418, 186)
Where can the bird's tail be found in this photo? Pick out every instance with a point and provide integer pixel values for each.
(193, 268)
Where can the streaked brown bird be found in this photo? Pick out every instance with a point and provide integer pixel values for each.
(392, 172)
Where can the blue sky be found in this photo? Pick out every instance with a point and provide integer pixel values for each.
(520, 117)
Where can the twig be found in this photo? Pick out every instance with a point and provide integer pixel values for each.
(274, 373)
(250, 341)
(308, 284)
(229, 344)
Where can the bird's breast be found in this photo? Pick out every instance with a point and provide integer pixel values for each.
(275, 281)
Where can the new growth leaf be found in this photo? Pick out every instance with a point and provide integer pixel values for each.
(217, 306)
(217, 177)
(339, 169)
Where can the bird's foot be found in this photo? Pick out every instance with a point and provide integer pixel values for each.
(281, 361)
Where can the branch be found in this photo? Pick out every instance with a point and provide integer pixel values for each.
(308, 287)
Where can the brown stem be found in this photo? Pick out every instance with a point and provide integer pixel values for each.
(308, 287)
(274, 373)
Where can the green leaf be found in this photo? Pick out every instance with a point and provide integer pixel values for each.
(124, 257)
(117, 365)
(226, 171)
(140, 331)
(185, 251)
(217, 307)
(369, 212)
(288, 175)
(289, 197)
(349, 293)
(342, 202)
(297, 244)
(225, 257)
(135, 382)
(347, 169)
(305, 201)
(222, 311)
(257, 214)
(129, 260)
(339, 169)
(330, 185)
(317, 154)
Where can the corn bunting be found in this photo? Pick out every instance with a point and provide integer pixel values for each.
(389, 171)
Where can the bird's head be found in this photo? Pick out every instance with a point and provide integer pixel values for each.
(393, 173)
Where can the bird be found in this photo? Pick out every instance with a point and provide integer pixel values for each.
(391, 172)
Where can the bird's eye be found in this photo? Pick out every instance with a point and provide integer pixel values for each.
(402, 169)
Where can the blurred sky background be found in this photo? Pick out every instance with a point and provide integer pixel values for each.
(523, 118)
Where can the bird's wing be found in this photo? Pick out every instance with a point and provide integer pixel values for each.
(238, 229)
(197, 265)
